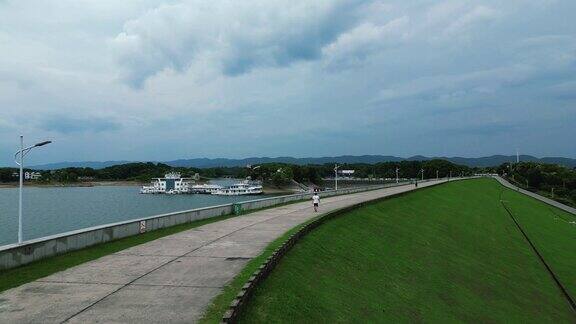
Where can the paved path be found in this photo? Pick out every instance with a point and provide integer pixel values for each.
(549, 201)
(172, 279)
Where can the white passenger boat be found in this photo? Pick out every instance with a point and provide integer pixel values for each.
(244, 188)
(204, 188)
(172, 183)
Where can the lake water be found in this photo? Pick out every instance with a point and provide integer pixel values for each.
(54, 210)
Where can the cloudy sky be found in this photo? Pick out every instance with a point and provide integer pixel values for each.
(161, 80)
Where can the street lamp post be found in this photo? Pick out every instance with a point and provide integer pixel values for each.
(422, 174)
(397, 179)
(256, 168)
(336, 177)
(20, 161)
(436, 174)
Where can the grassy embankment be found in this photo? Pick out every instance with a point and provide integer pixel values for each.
(444, 254)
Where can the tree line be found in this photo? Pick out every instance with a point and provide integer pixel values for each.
(554, 181)
(551, 180)
(547, 179)
(282, 173)
(279, 173)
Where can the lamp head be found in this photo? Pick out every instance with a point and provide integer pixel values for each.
(43, 143)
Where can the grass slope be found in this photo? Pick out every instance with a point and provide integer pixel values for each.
(221, 303)
(551, 231)
(445, 254)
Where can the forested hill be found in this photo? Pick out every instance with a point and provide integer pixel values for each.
(488, 161)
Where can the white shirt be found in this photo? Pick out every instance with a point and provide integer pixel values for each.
(316, 199)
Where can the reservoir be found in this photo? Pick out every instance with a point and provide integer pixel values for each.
(54, 210)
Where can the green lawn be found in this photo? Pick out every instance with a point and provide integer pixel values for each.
(445, 254)
(550, 231)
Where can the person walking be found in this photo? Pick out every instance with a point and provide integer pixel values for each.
(316, 201)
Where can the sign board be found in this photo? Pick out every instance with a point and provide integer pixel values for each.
(142, 227)
(237, 209)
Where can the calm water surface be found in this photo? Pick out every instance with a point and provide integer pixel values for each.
(49, 211)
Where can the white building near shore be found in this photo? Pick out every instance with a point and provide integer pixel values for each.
(28, 175)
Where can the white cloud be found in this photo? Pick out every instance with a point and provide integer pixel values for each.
(235, 35)
(483, 81)
(392, 27)
(472, 16)
(360, 41)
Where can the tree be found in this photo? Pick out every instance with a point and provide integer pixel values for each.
(282, 177)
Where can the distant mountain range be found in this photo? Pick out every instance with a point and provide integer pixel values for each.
(493, 160)
(88, 164)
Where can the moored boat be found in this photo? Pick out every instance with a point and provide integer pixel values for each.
(204, 188)
(172, 183)
(244, 188)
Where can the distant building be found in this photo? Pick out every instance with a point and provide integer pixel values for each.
(28, 175)
(32, 175)
(346, 173)
(85, 178)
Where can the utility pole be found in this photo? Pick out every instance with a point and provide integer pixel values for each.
(422, 170)
(397, 179)
(436, 174)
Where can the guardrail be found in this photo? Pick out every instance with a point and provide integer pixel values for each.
(507, 183)
(15, 255)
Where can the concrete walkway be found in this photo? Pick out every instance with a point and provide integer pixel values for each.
(549, 201)
(172, 279)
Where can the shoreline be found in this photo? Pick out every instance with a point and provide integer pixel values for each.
(124, 183)
(74, 185)
(279, 191)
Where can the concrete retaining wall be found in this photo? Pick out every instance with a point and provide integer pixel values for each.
(15, 255)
